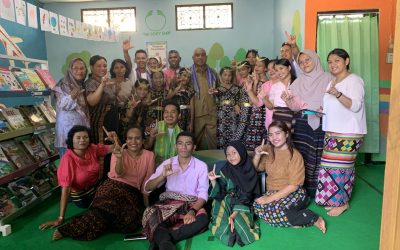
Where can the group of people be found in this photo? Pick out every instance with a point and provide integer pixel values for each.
(301, 126)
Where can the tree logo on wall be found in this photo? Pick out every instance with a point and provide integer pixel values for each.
(155, 20)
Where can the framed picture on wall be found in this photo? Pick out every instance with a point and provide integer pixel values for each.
(157, 50)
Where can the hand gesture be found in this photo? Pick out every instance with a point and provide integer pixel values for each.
(291, 39)
(248, 84)
(154, 101)
(212, 176)
(111, 136)
(106, 80)
(126, 45)
(333, 91)
(264, 200)
(212, 91)
(118, 150)
(261, 150)
(50, 224)
(255, 77)
(167, 171)
(134, 102)
(285, 96)
(76, 92)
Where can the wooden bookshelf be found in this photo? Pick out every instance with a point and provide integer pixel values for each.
(26, 131)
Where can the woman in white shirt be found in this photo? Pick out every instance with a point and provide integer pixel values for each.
(345, 126)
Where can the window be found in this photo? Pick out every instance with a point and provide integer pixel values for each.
(123, 19)
(205, 16)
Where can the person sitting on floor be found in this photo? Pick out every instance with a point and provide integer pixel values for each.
(80, 171)
(234, 191)
(284, 203)
(179, 214)
(118, 202)
(163, 135)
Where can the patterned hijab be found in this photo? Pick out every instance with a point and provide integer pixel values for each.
(311, 87)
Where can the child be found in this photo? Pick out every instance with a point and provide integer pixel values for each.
(284, 203)
(228, 95)
(183, 94)
(242, 72)
(256, 131)
(233, 191)
(157, 95)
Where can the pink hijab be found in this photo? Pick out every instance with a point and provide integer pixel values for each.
(311, 87)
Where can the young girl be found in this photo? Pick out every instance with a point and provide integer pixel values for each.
(228, 95)
(279, 92)
(256, 131)
(233, 191)
(283, 205)
(242, 72)
(183, 94)
(157, 95)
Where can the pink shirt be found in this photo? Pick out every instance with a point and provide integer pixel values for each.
(136, 171)
(191, 181)
(81, 173)
(169, 74)
(265, 90)
(276, 92)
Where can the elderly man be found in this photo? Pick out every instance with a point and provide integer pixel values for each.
(179, 214)
(205, 113)
(171, 72)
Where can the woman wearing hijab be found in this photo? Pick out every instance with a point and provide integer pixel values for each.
(307, 93)
(234, 191)
(71, 106)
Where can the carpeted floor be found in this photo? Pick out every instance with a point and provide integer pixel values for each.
(358, 228)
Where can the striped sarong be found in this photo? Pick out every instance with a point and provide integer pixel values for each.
(283, 114)
(336, 176)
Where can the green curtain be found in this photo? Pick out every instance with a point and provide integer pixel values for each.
(359, 37)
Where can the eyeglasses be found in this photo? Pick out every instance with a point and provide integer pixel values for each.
(305, 61)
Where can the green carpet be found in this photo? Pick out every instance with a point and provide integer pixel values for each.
(358, 228)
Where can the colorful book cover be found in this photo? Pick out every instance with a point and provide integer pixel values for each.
(22, 189)
(6, 167)
(16, 153)
(8, 81)
(48, 138)
(8, 202)
(39, 85)
(41, 183)
(35, 148)
(4, 126)
(34, 115)
(48, 111)
(15, 118)
(50, 170)
(46, 77)
(23, 79)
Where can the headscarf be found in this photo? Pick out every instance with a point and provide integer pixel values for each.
(311, 87)
(243, 175)
(68, 80)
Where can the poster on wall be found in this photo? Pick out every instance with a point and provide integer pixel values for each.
(78, 29)
(7, 10)
(44, 20)
(32, 16)
(71, 27)
(20, 11)
(85, 31)
(157, 50)
(62, 21)
(54, 23)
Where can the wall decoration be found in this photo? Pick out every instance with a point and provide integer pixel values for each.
(84, 55)
(32, 16)
(10, 45)
(157, 50)
(155, 20)
(44, 20)
(85, 31)
(20, 11)
(71, 27)
(296, 28)
(78, 29)
(7, 10)
(62, 23)
(54, 23)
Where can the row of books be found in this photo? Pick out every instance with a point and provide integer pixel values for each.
(26, 116)
(20, 79)
(27, 189)
(26, 150)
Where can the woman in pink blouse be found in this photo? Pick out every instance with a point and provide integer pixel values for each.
(118, 202)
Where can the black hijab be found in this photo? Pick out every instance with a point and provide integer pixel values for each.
(243, 175)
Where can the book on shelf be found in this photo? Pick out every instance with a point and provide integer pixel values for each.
(4, 126)
(8, 81)
(50, 170)
(46, 77)
(35, 79)
(15, 152)
(6, 166)
(15, 119)
(41, 183)
(35, 147)
(22, 188)
(23, 79)
(9, 204)
(48, 138)
(48, 111)
(34, 115)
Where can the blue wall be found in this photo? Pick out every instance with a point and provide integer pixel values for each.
(253, 28)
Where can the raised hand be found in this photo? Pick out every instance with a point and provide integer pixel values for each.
(111, 136)
(255, 77)
(167, 171)
(291, 39)
(118, 150)
(126, 44)
(333, 91)
(212, 176)
(260, 150)
(248, 84)
(285, 96)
